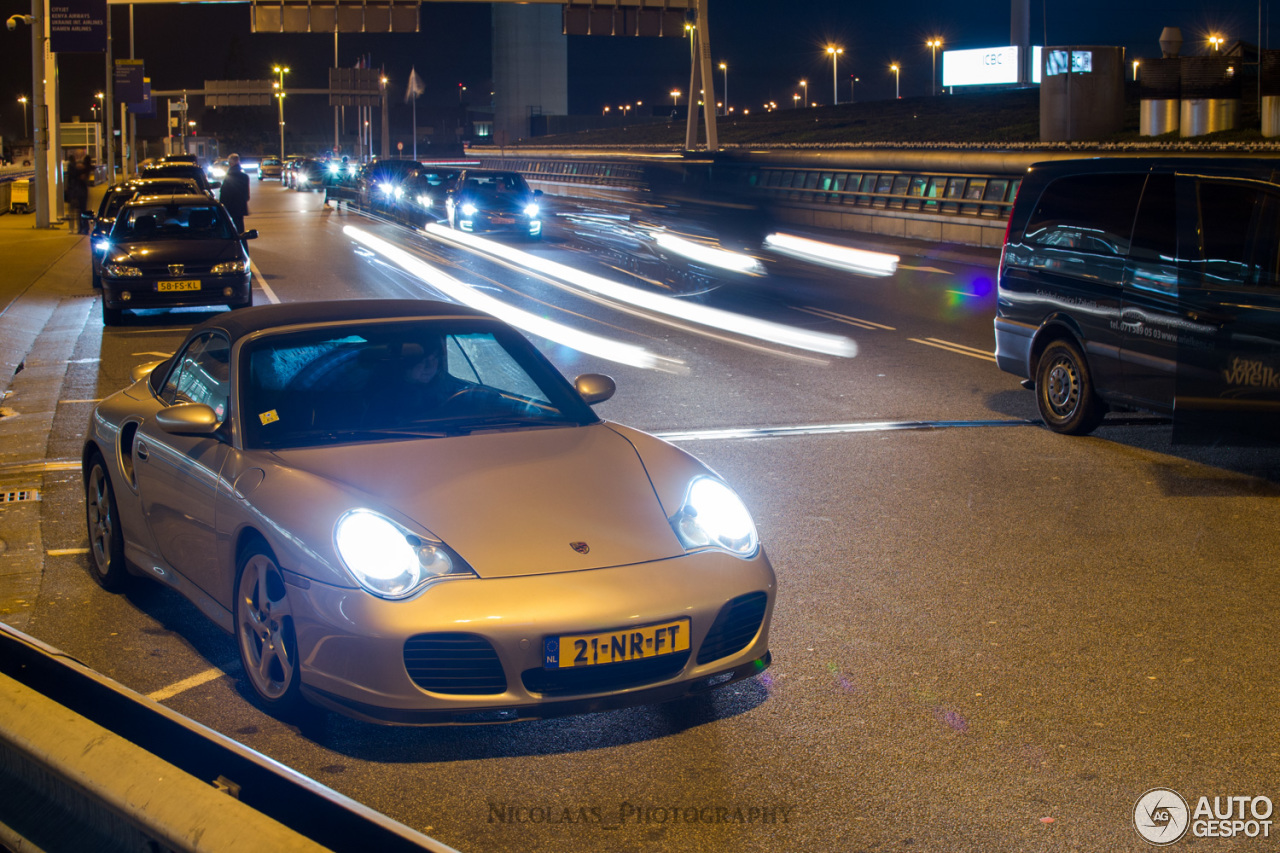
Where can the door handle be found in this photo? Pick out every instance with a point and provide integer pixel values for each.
(140, 451)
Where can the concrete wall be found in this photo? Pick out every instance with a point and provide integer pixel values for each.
(530, 67)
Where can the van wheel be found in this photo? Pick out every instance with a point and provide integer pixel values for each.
(1064, 391)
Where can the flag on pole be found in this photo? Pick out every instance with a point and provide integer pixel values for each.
(416, 86)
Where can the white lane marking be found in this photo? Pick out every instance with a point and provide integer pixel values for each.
(843, 318)
(185, 685)
(959, 349)
(262, 282)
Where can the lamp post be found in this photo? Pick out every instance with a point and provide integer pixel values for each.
(796, 98)
(280, 71)
(22, 99)
(725, 69)
(896, 78)
(835, 61)
(934, 44)
(804, 84)
(675, 97)
(853, 83)
(1215, 41)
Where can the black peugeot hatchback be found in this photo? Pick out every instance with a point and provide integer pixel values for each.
(174, 251)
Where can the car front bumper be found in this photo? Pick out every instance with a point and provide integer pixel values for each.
(353, 646)
(143, 293)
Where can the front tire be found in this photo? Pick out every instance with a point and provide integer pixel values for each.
(265, 633)
(1064, 390)
(102, 518)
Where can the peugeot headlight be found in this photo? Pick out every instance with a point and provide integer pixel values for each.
(388, 560)
(531, 211)
(101, 246)
(121, 271)
(229, 267)
(468, 209)
(713, 516)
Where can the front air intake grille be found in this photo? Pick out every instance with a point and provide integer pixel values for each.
(454, 664)
(598, 679)
(735, 627)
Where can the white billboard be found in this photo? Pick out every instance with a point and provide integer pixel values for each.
(986, 66)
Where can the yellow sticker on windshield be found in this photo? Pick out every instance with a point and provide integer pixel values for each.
(268, 417)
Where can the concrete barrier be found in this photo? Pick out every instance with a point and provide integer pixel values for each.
(86, 764)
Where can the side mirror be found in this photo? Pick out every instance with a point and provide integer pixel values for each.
(213, 185)
(537, 193)
(594, 387)
(187, 419)
(251, 234)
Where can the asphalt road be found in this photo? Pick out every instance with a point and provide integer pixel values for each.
(987, 636)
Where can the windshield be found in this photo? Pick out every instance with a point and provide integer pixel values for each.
(493, 184)
(146, 222)
(384, 381)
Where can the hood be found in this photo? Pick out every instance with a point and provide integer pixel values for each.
(176, 251)
(512, 503)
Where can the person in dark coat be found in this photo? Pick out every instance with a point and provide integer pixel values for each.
(77, 193)
(235, 192)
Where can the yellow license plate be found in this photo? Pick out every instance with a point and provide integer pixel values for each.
(624, 644)
(170, 286)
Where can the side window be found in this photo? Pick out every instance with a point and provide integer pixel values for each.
(1239, 241)
(1155, 233)
(1087, 213)
(202, 375)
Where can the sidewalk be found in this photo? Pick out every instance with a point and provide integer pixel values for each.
(45, 298)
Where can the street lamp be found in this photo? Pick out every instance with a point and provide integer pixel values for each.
(725, 69)
(280, 71)
(1135, 70)
(934, 44)
(835, 60)
(896, 77)
(1215, 41)
(22, 99)
(804, 84)
(796, 98)
(853, 83)
(675, 97)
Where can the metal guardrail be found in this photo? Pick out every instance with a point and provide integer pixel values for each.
(844, 190)
(88, 764)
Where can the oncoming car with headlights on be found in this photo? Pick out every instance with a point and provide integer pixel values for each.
(483, 200)
(403, 512)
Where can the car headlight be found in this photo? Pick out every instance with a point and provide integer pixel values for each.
(531, 211)
(424, 200)
(101, 246)
(388, 560)
(468, 209)
(388, 189)
(228, 267)
(121, 271)
(334, 168)
(300, 178)
(713, 516)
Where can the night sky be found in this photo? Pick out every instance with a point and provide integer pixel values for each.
(768, 45)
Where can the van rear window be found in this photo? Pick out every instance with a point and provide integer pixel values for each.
(1087, 213)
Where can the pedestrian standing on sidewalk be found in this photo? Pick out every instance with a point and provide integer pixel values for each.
(76, 192)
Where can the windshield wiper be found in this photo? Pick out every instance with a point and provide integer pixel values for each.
(509, 422)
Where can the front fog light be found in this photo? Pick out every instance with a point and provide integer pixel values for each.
(713, 516)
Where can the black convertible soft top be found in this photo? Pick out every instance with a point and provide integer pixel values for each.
(246, 321)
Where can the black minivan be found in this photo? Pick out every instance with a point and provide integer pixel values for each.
(1145, 283)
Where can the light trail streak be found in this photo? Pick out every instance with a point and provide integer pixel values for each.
(860, 261)
(703, 315)
(448, 285)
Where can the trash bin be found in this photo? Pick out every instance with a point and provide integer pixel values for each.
(20, 197)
